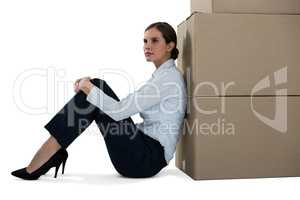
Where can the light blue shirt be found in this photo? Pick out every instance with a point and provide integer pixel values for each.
(161, 102)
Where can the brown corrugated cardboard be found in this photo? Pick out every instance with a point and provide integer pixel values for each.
(235, 54)
(241, 137)
(246, 6)
(241, 72)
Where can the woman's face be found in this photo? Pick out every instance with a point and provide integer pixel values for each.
(156, 49)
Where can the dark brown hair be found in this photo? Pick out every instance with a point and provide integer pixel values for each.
(169, 35)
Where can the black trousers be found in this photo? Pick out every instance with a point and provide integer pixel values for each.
(132, 153)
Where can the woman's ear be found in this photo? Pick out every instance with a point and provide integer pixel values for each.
(171, 45)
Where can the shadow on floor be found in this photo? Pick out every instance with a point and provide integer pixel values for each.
(108, 179)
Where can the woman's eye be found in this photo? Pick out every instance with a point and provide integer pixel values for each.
(152, 41)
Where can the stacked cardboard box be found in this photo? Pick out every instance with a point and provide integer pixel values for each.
(246, 6)
(241, 72)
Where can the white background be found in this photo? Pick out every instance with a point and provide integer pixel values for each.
(44, 47)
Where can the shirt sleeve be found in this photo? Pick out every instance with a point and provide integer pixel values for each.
(147, 96)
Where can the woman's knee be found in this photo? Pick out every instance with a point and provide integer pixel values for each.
(104, 87)
(99, 83)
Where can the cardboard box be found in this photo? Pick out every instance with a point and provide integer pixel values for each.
(241, 71)
(246, 6)
(242, 137)
(231, 54)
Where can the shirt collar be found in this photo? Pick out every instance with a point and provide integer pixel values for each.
(167, 64)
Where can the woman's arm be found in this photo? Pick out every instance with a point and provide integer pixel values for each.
(148, 95)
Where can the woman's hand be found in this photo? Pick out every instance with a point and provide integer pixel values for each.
(83, 84)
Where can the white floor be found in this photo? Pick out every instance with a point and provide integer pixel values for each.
(90, 175)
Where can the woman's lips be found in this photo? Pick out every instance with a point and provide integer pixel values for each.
(148, 54)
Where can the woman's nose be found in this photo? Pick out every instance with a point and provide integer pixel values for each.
(147, 46)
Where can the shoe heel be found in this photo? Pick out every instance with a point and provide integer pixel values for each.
(56, 170)
(63, 166)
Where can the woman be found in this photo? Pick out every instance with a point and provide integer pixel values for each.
(136, 150)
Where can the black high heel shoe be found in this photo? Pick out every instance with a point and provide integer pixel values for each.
(60, 157)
